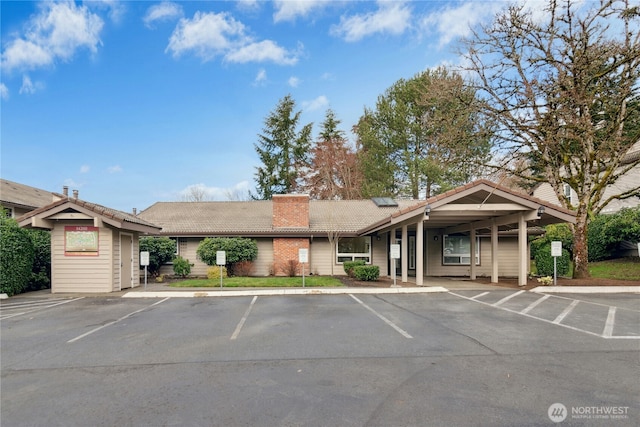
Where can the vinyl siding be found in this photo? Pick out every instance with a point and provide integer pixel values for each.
(81, 273)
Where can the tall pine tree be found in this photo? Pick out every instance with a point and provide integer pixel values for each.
(283, 151)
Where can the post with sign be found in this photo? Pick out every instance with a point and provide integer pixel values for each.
(394, 255)
(144, 261)
(303, 258)
(556, 251)
(221, 260)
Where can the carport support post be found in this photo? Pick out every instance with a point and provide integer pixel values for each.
(472, 248)
(522, 250)
(494, 251)
(419, 253)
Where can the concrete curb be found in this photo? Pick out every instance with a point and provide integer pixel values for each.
(4, 296)
(292, 291)
(586, 289)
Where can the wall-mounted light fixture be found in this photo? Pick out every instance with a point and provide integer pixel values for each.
(427, 210)
(540, 211)
(378, 237)
(435, 238)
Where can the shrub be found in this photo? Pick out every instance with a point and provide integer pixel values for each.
(606, 232)
(16, 256)
(243, 268)
(161, 251)
(181, 266)
(544, 262)
(367, 273)
(214, 272)
(236, 249)
(41, 270)
(290, 267)
(554, 232)
(350, 265)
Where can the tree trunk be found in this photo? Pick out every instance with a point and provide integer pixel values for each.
(580, 248)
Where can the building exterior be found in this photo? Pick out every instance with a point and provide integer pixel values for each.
(436, 236)
(17, 199)
(93, 248)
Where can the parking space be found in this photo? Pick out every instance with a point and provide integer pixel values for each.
(500, 358)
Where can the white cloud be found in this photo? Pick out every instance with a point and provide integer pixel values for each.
(248, 5)
(28, 87)
(208, 35)
(4, 91)
(114, 169)
(320, 102)
(117, 8)
(293, 81)
(390, 17)
(238, 191)
(85, 168)
(261, 77)
(264, 51)
(287, 10)
(454, 22)
(56, 33)
(165, 11)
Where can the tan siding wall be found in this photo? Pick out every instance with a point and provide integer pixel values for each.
(81, 273)
(115, 285)
(136, 259)
(545, 192)
(321, 259)
(264, 262)
(379, 254)
(507, 259)
(627, 182)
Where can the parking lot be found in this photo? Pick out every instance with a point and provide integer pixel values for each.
(466, 357)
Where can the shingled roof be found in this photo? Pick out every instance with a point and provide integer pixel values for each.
(254, 218)
(23, 196)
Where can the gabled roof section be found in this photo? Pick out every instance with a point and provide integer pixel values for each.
(254, 218)
(479, 200)
(24, 196)
(42, 217)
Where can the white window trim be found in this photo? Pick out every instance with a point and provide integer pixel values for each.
(354, 256)
(460, 255)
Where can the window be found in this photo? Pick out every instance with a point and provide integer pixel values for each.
(354, 249)
(457, 250)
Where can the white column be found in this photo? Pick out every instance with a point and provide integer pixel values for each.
(472, 261)
(522, 250)
(494, 252)
(404, 254)
(419, 253)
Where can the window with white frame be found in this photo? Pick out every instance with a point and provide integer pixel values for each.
(456, 250)
(353, 249)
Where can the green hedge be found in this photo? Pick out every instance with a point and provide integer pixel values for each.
(367, 273)
(16, 257)
(181, 266)
(544, 261)
(350, 265)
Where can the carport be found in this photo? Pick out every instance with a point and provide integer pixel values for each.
(481, 208)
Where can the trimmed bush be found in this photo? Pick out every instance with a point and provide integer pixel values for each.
(366, 273)
(16, 257)
(554, 232)
(236, 249)
(214, 272)
(161, 251)
(181, 266)
(607, 231)
(350, 265)
(41, 270)
(544, 261)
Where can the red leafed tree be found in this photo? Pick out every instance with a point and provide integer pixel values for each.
(333, 171)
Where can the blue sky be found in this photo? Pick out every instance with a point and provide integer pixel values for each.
(134, 102)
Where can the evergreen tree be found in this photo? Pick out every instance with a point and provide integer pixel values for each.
(283, 151)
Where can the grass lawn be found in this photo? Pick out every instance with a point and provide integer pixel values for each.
(260, 282)
(622, 269)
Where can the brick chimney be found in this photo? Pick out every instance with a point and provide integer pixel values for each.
(290, 211)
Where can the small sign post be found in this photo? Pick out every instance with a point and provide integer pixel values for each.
(556, 251)
(394, 255)
(303, 258)
(144, 261)
(221, 260)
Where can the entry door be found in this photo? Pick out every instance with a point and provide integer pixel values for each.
(126, 261)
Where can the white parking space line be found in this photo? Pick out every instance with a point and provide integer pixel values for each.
(31, 303)
(534, 304)
(384, 319)
(114, 322)
(608, 326)
(507, 298)
(244, 319)
(566, 312)
(36, 305)
(479, 295)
